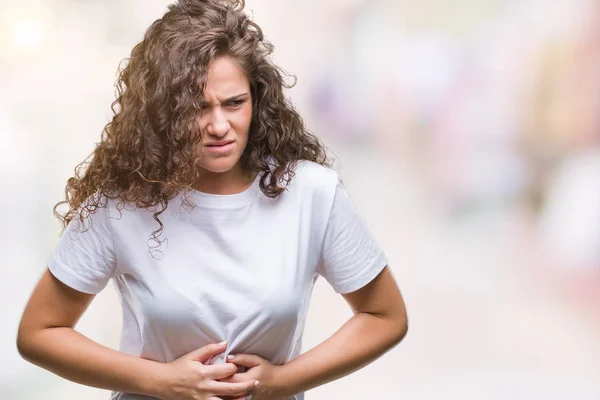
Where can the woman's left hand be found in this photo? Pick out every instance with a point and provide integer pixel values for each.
(268, 375)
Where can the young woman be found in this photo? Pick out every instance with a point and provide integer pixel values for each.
(213, 211)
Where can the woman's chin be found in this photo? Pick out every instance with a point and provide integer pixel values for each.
(219, 166)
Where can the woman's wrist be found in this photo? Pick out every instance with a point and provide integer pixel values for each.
(156, 380)
(285, 384)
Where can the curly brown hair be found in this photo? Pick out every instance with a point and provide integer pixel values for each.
(147, 154)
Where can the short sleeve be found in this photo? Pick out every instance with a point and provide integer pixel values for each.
(351, 257)
(84, 257)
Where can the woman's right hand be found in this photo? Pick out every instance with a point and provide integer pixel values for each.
(188, 378)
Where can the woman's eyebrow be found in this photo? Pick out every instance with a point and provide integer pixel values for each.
(228, 99)
(234, 97)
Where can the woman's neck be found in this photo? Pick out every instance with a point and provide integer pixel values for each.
(233, 181)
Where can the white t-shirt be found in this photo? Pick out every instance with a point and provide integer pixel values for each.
(236, 267)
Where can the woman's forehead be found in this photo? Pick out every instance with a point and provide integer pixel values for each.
(225, 71)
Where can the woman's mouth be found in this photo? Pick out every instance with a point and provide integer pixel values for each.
(220, 147)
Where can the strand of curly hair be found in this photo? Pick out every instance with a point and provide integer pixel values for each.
(147, 154)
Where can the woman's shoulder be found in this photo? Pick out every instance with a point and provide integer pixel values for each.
(314, 175)
(108, 206)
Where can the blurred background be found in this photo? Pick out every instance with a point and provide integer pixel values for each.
(468, 134)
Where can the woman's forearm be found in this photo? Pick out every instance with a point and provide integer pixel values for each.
(361, 340)
(75, 357)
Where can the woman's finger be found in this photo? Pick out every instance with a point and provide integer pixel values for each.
(206, 352)
(234, 389)
(219, 371)
(247, 360)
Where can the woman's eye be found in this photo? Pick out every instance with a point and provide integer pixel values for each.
(236, 103)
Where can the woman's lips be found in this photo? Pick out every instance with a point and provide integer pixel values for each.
(220, 149)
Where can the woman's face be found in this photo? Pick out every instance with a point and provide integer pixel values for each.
(225, 116)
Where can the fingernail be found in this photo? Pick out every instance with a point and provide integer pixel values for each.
(230, 357)
(223, 343)
(255, 383)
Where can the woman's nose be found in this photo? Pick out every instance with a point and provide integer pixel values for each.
(218, 124)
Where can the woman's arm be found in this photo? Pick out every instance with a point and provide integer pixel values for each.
(47, 338)
(378, 324)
